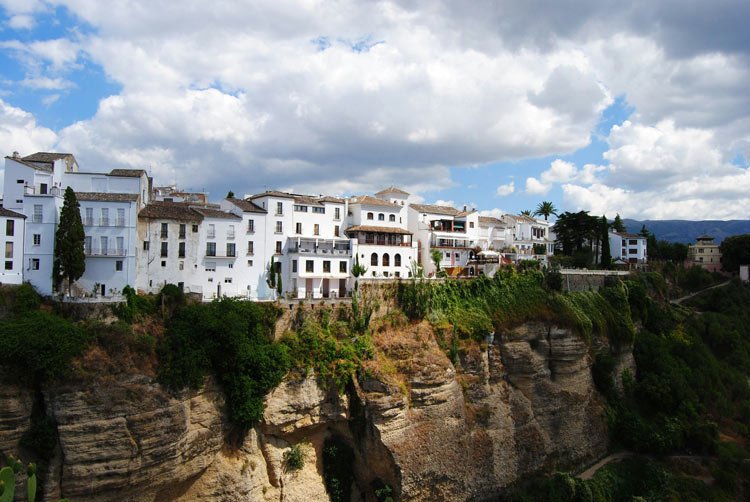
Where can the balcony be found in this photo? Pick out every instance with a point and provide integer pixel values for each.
(105, 252)
(383, 242)
(321, 247)
(452, 243)
(120, 223)
(39, 190)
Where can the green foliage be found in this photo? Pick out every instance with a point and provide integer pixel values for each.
(606, 259)
(696, 278)
(41, 437)
(294, 458)
(383, 491)
(436, 256)
(617, 224)
(335, 360)
(573, 230)
(540, 249)
(227, 337)
(545, 209)
(601, 371)
(135, 305)
(38, 346)
(363, 306)
(735, 251)
(553, 280)
(338, 469)
(358, 269)
(170, 298)
(69, 260)
(8, 480)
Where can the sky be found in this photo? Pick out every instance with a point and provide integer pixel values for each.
(637, 108)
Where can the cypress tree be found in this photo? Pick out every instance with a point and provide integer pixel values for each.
(618, 225)
(69, 259)
(606, 254)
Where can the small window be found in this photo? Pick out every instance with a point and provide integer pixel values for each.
(250, 247)
(9, 250)
(164, 230)
(37, 239)
(471, 224)
(210, 249)
(298, 228)
(392, 217)
(43, 188)
(279, 208)
(318, 210)
(326, 266)
(397, 260)
(231, 249)
(118, 266)
(374, 259)
(337, 213)
(336, 231)
(278, 247)
(230, 265)
(195, 228)
(163, 263)
(369, 216)
(20, 182)
(249, 263)
(183, 229)
(309, 266)
(145, 245)
(181, 250)
(182, 265)
(37, 217)
(35, 264)
(228, 280)
(381, 217)
(316, 229)
(8, 265)
(164, 249)
(10, 226)
(294, 266)
(279, 227)
(342, 267)
(386, 260)
(250, 225)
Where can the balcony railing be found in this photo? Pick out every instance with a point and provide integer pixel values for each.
(383, 242)
(104, 252)
(211, 234)
(452, 243)
(120, 223)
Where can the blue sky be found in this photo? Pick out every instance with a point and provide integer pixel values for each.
(497, 105)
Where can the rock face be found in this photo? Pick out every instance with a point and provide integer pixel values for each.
(522, 403)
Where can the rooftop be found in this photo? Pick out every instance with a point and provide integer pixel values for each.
(208, 212)
(46, 157)
(369, 200)
(111, 197)
(169, 211)
(247, 206)
(135, 173)
(490, 220)
(433, 209)
(629, 235)
(392, 189)
(47, 169)
(10, 214)
(272, 193)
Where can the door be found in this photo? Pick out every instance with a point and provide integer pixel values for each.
(326, 288)
(342, 288)
(308, 288)
(104, 289)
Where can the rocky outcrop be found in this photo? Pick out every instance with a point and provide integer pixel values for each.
(520, 404)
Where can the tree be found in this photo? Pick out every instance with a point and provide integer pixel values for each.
(618, 225)
(69, 260)
(525, 212)
(575, 230)
(271, 280)
(735, 251)
(545, 209)
(279, 288)
(230, 195)
(357, 270)
(436, 256)
(606, 260)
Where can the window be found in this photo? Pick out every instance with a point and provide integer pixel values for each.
(210, 266)
(195, 228)
(397, 260)
(374, 259)
(337, 213)
(231, 249)
(35, 264)
(397, 274)
(211, 231)
(43, 188)
(632, 251)
(228, 280)
(9, 250)
(104, 244)
(294, 266)
(19, 201)
(250, 247)
(182, 265)
(300, 209)
(392, 217)
(342, 267)
(381, 217)
(37, 217)
(89, 220)
(318, 210)
(8, 265)
(316, 229)
(230, 265)
(164, 249)
(279, 208)
(181, 250)
(249, 263)
(278, 247)
(369, 216)
(10, 227)
(279, 227)
(87, 244)
(164, 230)
(309, 266)
(471, 224)
(118, 266)
(145, 245)
(121, 217)
(336, 231)
(120, 245)
(298, 228)
(386, 260)
(633, 242)
(210, 249)
(230, 232)
(326, 266)
(250, 225)
(37, 239)
(183, 230)
(105, 217)
(20, 182)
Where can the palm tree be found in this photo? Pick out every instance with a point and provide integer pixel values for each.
(525, 212)
(545, 209)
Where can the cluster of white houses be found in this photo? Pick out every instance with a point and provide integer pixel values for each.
(146, 236)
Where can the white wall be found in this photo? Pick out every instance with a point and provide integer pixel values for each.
(14, 275)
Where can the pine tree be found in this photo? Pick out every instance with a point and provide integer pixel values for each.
(69, 259)
(618, 225)
(606, 254)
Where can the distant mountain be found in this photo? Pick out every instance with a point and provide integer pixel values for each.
(686, 231)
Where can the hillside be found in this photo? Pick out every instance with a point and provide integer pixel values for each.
(686, 231)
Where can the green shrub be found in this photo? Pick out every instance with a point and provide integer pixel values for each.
(294, 458)
(338, 469)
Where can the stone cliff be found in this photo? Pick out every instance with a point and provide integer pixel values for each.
(427, 428)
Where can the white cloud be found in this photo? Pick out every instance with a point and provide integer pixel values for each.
(441, 202)
(506, 189)
(536, 187)
(21, 22)
(46, 83)
(495, 212)
(561, 171)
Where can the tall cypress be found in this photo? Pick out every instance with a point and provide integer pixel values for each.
(69, 259)
(606, 254)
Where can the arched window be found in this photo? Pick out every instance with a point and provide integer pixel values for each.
(381, 217)
(369, 216)
(374, 259)
(397, 260)
(386, 260)
(392, 217)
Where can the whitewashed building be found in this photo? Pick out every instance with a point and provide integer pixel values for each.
(629, 248)
(530, 238)
(13, 228)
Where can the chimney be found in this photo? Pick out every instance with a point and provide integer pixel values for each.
(16, 155)
(464, 208)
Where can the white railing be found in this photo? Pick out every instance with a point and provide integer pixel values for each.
(104, 252)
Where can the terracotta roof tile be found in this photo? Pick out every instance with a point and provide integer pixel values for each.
(133, 173)
(432, 208)
(208, 212)
(10, 214)
(169, 211)
(112, 197)
(392, 189)
(369, 200)
(371, 228)
(48, 157)
(247, 206)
